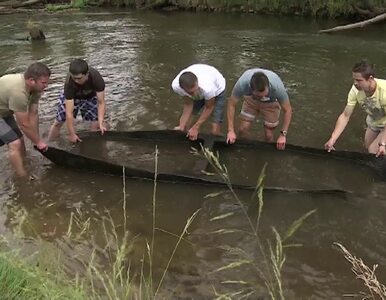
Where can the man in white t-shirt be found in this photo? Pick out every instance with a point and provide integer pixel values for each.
(203, 89)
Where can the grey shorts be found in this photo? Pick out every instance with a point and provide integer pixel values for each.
(370, 125)
(9, 131)
(218, 111)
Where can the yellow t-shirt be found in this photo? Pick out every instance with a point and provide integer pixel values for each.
(375, 105)
(13, 95)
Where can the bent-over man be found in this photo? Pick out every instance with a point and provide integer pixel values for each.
(370, 93)
(19, 101)
(84, 91)
(262, 92)
(203, 89)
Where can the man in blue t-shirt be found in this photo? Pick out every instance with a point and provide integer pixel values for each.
(263, 92)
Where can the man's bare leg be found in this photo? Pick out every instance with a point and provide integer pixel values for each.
(54, 130)
(244, 127)
(15, 154)
(216, 128)
(94, 126)
(268, 134)
(372, 139)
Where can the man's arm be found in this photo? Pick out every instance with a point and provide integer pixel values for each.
(69, 106)
(231, 107)
(101, 110)
(340, 125)
(186, 113)
(24, 121)
(287, 116)
(208, 109)
(34, 117)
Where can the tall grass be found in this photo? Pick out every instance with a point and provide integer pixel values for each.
(104, 271)
(374, 289)
(268, 270)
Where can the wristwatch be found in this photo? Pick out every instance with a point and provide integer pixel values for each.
(284, 133)
(382, 144)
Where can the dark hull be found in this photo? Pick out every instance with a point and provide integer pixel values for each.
(68, 159)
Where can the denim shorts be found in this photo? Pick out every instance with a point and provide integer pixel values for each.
(218, 111)
(9, 131)
(88, 108)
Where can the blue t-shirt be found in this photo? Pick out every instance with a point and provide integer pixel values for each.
(277, 91)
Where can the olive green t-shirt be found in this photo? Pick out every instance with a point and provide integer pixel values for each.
(13, 95)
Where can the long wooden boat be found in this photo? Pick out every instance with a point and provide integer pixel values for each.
(82, 160)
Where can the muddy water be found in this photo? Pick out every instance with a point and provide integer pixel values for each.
(139, 54)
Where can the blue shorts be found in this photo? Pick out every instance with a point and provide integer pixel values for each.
(218, 111)
(88, 109)
(9, 131)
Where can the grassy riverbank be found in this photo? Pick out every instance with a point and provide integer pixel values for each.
(314, 8)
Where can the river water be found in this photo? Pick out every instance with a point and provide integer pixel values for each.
(139, 54)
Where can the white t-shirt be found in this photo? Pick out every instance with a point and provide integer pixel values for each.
(210, 82)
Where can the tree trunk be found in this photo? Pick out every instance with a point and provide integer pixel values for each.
(355, 25)
(26, 3)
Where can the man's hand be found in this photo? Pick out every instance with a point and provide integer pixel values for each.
(180, 128)
(42, 146)
(231, 137)
(329, 146)
(381, 151)
(192, 133)
(73, 138)
(280, 143)
(102, 128)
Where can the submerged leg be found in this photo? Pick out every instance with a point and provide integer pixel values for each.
(268, 134)
(216, 128)
(372, 139)
(244, 128)
(94, 126)
(55, 130)
(16, 151)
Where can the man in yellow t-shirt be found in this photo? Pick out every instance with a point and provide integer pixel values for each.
(19, 97)
(370, 93)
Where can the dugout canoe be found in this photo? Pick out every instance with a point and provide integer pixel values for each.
(195, 175)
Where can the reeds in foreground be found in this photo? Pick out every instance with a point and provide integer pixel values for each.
(269, 257)
(375, 289)
(104, 270)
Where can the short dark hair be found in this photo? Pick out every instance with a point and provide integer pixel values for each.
(78, 66)
(259, 82)
(365, 68)
(37, 70)
(187, 80)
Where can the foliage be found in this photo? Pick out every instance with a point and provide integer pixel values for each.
(268, 258)
(375, 289)
(102, 269)
(318, 8)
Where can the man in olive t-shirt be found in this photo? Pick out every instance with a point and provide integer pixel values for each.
(19, 97)
(84, 90)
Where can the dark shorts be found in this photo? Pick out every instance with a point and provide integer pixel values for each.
(9, 131)
(88, 109)
(218, 111)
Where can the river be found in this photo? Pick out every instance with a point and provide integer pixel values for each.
(139, 54)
